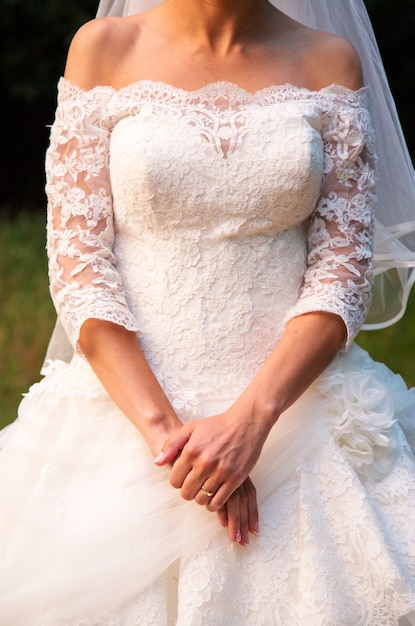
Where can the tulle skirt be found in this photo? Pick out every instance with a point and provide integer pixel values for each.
(92, 534)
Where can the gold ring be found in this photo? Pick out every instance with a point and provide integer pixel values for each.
(207, 493)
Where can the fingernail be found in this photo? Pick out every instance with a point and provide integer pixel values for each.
(159, 457)
(238, 536)
(255, 528)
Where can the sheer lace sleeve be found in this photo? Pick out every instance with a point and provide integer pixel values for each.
(84, 281)
(340, 237)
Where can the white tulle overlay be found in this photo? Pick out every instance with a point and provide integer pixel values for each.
(224, 215)
(92, 533)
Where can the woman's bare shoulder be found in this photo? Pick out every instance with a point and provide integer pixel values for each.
(331, 59)
(97, 48)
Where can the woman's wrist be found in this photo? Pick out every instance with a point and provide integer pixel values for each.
(261, 402)
(156, 426)
(267, 411)
(254, 416)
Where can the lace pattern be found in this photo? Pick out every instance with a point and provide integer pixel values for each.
(302, 568)
(341, 234)
(83, 279)
(335, 544)
(239, 128)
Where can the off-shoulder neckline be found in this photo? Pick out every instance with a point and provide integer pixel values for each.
(209, 87)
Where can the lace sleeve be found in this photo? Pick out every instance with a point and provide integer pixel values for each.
(340, 237)
(84, 282)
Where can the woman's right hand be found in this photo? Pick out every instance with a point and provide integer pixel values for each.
(240, 513)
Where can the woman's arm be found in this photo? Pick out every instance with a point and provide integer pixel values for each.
(87, 290)
(115, 355)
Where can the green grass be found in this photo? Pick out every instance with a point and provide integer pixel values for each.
(27, 316)
(395, 345)
(26, 312)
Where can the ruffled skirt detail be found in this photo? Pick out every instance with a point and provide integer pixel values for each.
(92, 534)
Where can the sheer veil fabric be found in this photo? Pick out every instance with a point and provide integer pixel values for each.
(395, 237)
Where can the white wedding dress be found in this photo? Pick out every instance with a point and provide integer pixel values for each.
(222, 215)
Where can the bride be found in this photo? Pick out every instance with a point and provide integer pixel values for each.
(208, 445)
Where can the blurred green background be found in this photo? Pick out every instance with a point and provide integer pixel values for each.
(34, 40)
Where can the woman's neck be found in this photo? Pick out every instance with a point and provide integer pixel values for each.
(218, 24)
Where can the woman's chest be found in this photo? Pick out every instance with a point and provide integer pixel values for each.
(260, 166)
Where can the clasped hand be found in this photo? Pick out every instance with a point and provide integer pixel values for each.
(218, 453)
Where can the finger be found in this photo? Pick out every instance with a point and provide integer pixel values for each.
(183, 477)
(243, 515)
(222, 496)
(205, 493)
(233, 514)
(191, 471)
(172, 447)
(253, 515)
(222, 517)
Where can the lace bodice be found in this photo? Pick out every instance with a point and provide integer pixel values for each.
(205, 220)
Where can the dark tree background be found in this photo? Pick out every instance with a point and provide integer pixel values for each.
(34, 40)
(34, 37)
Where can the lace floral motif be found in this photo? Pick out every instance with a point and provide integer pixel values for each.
(212, 193)
(341, 233)
(84, 281)
(317, 557)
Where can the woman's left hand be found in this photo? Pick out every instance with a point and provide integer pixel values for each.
(213, 456)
